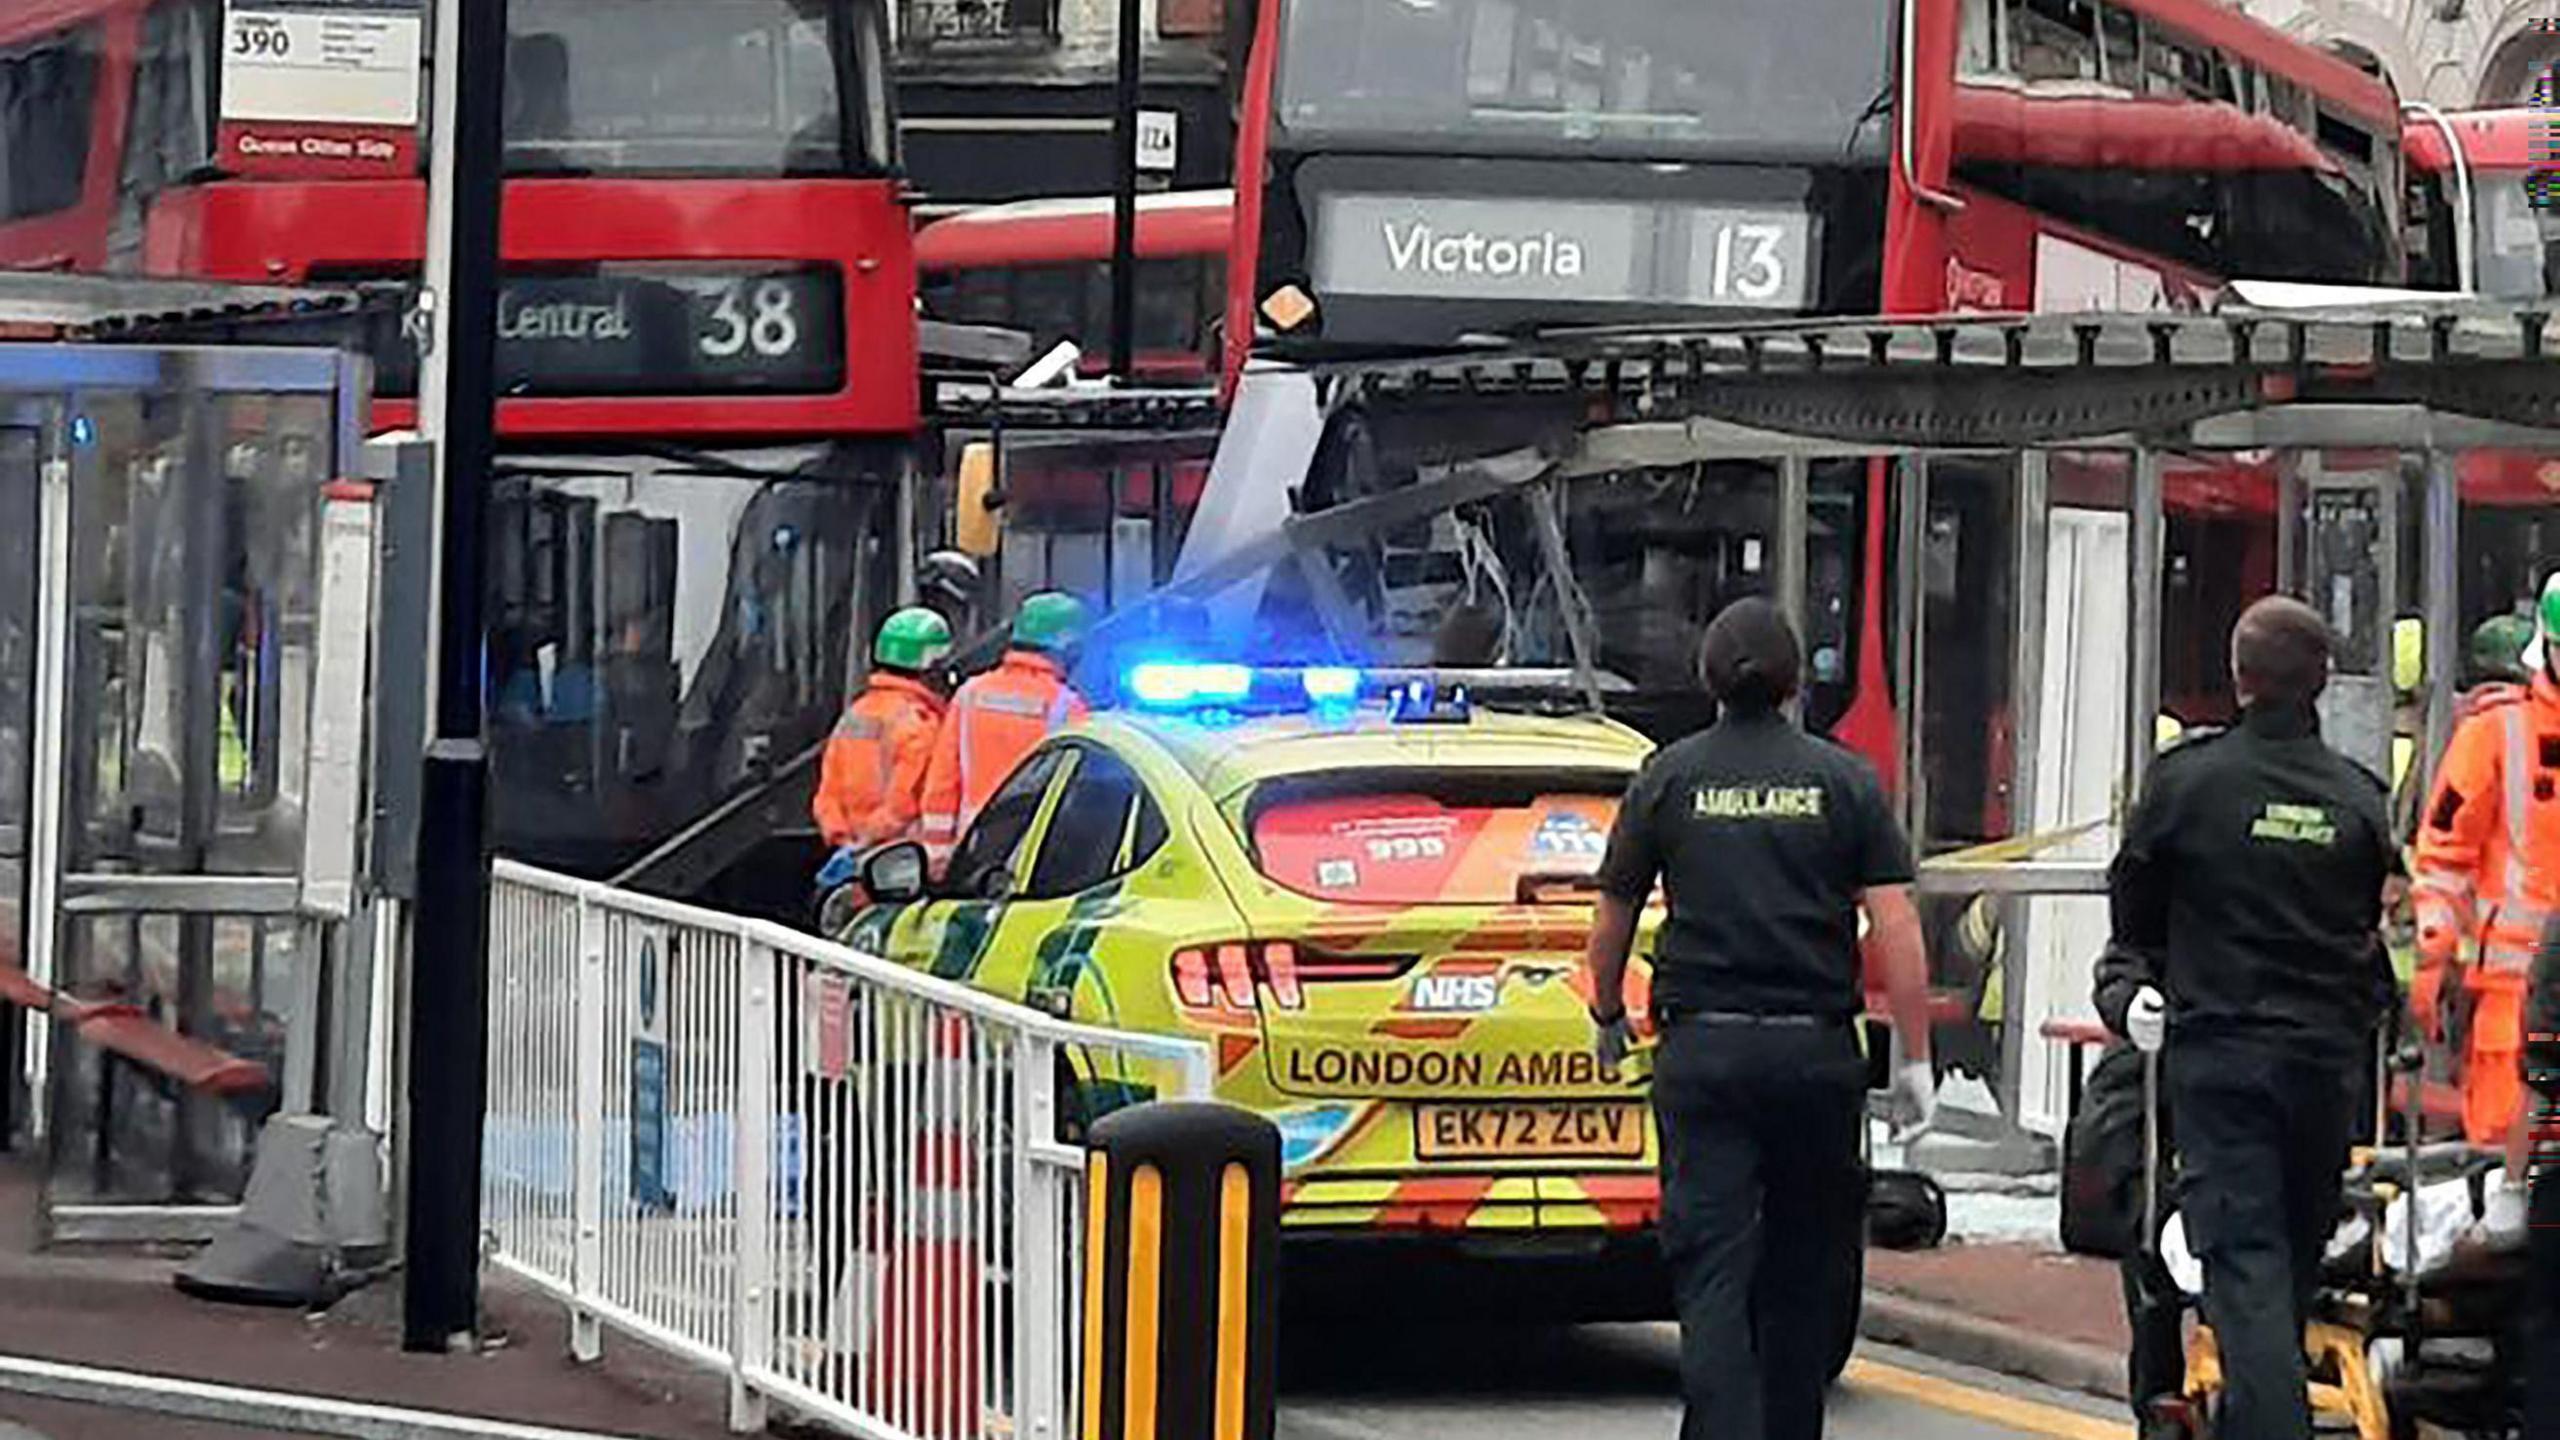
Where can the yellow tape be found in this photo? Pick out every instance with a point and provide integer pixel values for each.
(2002, 852)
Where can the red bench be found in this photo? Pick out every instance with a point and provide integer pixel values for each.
(129, 1032)
(1946, 1007)
(2438, 1102)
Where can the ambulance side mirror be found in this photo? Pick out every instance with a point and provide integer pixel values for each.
(895, 874)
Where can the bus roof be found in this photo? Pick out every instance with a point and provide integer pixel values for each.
(1074, 231)
(2491, 139)
(24, 19)
(2241, 36)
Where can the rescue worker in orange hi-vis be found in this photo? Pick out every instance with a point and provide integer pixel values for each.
(2488, 872)
(871, 781)
(996, 718)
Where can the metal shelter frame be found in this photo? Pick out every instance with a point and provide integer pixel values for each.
(203, 873)
(2413, 377)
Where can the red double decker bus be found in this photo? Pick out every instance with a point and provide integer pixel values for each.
(707, 350)
(1043, 267)
(2482, 219)
(1418, 177)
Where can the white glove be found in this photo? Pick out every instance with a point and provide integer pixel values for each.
(2505, 1224)
(2146, 1020)
(1913, 1100)
(1610, 1042)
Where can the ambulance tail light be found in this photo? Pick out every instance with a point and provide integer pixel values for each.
(1280, 972)
(1191, 979)
(1239, 975)
(1235, 975)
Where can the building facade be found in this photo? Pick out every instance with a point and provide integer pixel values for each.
(2460, 54)
(1012, 99)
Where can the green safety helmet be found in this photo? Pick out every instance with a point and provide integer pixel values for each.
(2547, 629)
(2498, 646)
(1049, 620)
(912, 639)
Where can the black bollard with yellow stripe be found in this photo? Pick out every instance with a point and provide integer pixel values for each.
(1181, 1299)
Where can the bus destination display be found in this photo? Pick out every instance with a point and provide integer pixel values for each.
(648, 330)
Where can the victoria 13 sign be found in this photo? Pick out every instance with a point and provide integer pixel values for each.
(1569, 251)
(649, 331)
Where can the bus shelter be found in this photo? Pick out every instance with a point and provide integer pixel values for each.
(2037, 515)
(186, 625)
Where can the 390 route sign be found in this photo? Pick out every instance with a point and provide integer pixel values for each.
(321, 87)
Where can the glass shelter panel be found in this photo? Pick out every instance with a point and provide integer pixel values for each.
(168, 921)
(18, 475)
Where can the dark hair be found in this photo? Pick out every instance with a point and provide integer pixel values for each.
(1470, 638)
(1750, 659)
(2280, 652)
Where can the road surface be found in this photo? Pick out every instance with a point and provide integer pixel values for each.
(1621, 1383)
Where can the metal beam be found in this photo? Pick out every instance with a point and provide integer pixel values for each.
(1581, 631)
(2016, 877)
(2145, 565)
(2440, 565)
(1788, 567)
(1476, 480)
(187, 894)
(1910, 489)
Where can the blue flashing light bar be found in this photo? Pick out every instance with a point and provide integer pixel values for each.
(1329, 685)
(1179, 685)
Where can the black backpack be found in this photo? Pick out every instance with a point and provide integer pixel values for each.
(1905, 1211)
(2102, 1159)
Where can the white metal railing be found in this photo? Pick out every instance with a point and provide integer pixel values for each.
(836, 1180)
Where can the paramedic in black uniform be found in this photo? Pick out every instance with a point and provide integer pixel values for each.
(1766, 842)
(2246, 901)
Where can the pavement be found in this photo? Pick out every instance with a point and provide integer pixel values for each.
(2019, 1309)
(119, 1310)
(2001, 1293)
(1993, 1334)
(1622, 1383)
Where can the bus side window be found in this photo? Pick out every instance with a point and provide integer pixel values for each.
(47, 91)
(168, 127)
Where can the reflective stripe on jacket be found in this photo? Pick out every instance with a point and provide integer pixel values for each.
(994, 721)
(2488, 855)
(2489, 842)
(871, 786)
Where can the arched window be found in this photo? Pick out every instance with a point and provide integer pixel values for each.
(2521, 71)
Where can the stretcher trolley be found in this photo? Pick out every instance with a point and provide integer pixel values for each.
(2416, 1325)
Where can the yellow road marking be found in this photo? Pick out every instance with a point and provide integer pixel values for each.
(1990, 1407)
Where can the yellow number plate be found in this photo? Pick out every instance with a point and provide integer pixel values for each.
(1532, 1130)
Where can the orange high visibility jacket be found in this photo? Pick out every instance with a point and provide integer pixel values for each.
(2488, 857)
(994, 721)
(871, 785)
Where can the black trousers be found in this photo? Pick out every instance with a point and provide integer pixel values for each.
(2542, 1344)
(2156, 1368)
(2263, 1137)
(1762, 1199)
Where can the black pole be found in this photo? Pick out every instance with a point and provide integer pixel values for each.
(449, 958)
(1124, 198)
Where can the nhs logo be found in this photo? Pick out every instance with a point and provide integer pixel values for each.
(1444, 994)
